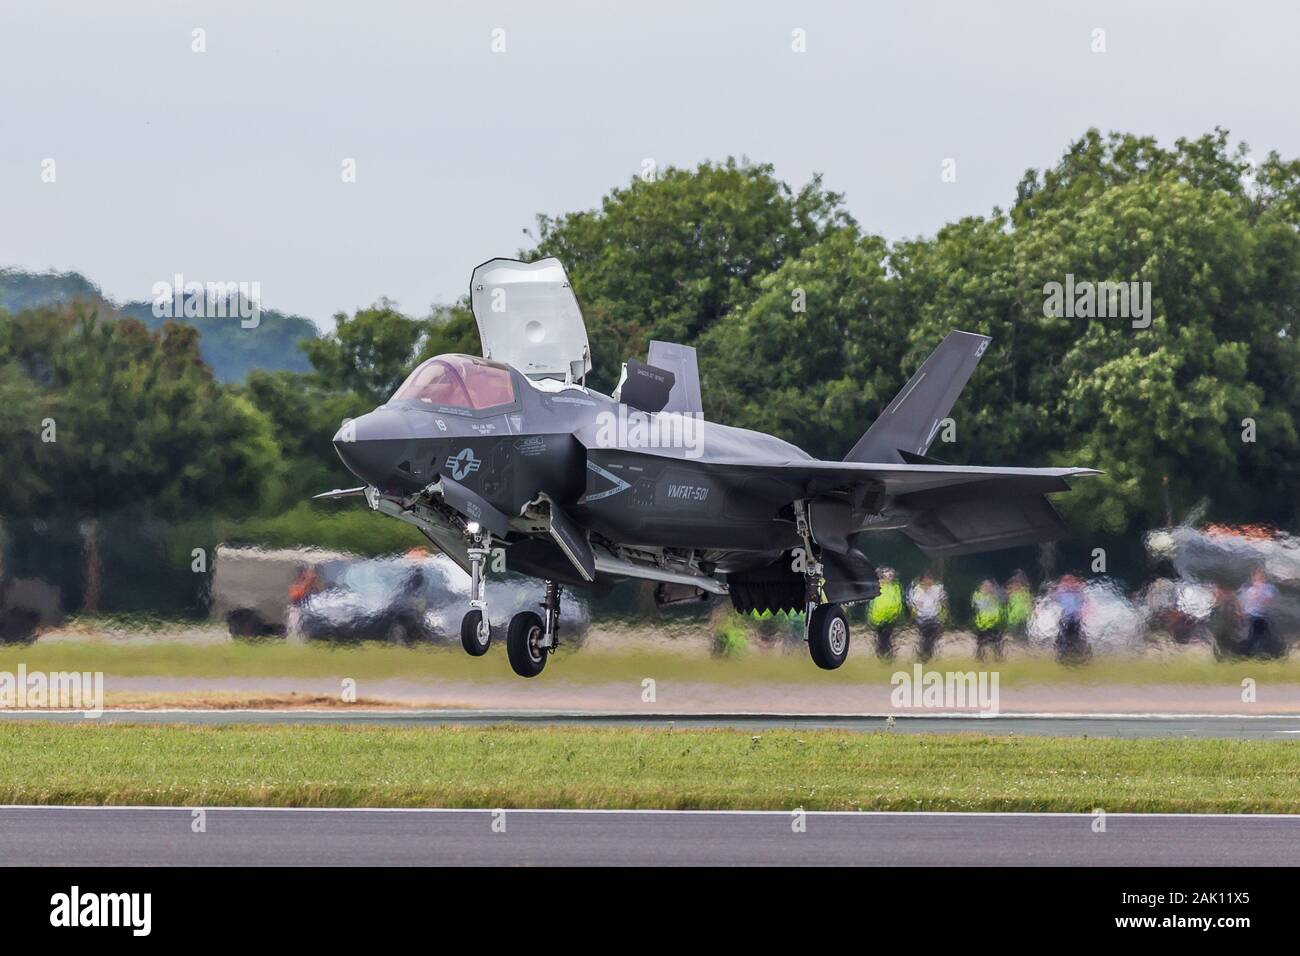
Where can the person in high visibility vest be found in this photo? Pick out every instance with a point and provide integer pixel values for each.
(884, 611)
(1020, 606)
(990, 617)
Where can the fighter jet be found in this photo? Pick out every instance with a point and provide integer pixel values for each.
(510, 458)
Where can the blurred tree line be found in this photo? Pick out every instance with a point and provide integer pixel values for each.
(806, 325)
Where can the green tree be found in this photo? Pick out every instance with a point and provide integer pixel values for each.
(814, 352)
(668, 258)
(1220, 252)
(370, 352)
(451, 329)
(304, 416)
(114, 416)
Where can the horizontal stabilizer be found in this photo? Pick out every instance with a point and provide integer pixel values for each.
(910, 422)
(968, 527)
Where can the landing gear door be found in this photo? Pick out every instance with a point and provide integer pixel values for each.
(570, 539)
(528, 317)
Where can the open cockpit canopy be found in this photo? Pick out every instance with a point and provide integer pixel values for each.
(528, 317)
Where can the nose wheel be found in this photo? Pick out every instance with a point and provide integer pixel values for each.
(475, 635)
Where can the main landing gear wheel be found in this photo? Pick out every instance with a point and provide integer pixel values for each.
(523, 644)
(828, 636)
(475, 635)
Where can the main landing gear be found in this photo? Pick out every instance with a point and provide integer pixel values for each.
(828, 636)
(826, 627)
(530, 637)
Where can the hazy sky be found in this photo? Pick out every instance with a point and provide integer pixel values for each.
(226, 165)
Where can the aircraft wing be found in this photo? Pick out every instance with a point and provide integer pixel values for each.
(908, 479)
(958, 509)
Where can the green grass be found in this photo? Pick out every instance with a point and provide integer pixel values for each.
(633, 768)
(377, 661)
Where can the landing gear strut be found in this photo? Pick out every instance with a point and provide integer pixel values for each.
(532, 637)
(475, 631)
(826, 627)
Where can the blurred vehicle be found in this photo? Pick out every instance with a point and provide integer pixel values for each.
(386, 599)
(1220, 560)
(1181, 609)
(25, 605)
(404, 600)
(250, 586)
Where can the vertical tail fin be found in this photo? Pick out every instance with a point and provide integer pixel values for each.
(680, 360)
(910, 422)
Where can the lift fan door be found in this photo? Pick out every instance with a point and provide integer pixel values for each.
(528, 317)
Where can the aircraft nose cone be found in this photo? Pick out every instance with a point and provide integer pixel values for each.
(373, 445)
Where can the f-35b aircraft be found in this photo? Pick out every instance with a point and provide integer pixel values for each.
(512, 451)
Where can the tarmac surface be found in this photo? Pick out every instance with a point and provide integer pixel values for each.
(1251, 726)
(163, 836)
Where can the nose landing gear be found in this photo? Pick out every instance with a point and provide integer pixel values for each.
(475, 632)
(531, 637)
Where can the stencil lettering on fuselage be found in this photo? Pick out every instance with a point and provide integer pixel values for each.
(602, 483)
(685, 491)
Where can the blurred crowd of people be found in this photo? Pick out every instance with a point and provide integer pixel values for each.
(1238, 622)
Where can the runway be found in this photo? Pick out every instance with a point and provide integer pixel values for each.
(1235, 727)
(145, 836)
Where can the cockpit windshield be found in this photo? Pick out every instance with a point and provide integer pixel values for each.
(458, 381)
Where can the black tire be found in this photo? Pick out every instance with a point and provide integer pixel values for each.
(475, 646)
(404, 631)
(526, 658)
(828, 636)
(18, 626)
(244, 622)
